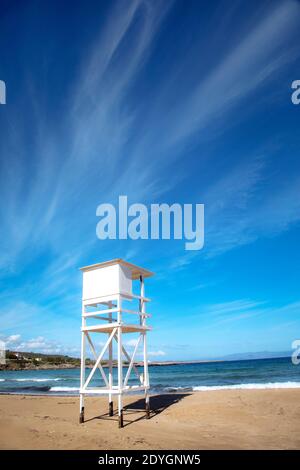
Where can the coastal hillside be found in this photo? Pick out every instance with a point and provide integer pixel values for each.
(17, 360)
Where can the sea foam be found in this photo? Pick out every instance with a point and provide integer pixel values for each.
(34, 380)
(250, 386)
(64, 389)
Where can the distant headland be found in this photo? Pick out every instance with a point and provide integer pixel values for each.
(17, 360)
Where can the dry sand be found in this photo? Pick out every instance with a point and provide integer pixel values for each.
(239, 419)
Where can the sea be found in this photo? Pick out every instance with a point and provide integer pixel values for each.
(245, 374)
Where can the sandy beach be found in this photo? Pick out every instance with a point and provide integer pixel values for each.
(239, 419)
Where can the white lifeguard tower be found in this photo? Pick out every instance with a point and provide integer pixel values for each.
(107, 288)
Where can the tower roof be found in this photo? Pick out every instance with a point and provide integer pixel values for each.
(136, 271)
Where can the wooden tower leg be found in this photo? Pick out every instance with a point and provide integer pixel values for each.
(120, 365)
(120, 410)
(82, 372)
(81, 414)
(146, 373)
(110, 373)
(82, 378)
(146, 379)
(147, 404)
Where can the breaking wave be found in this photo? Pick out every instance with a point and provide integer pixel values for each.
(64, 389)
(250, 386)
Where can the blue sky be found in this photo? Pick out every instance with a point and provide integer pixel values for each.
(163, 101)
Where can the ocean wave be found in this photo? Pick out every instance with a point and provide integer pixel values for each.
(171, 389)
(202, 388)
(25, 390)
(34, 380)
(64, 389)
(250, 386)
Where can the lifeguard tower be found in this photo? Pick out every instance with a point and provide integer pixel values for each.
(108, 290)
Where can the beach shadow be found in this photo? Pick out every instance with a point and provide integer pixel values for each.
(158, 404)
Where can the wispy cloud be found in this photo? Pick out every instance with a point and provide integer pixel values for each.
(95, 130)
(38, 344)
(262, 49)
(235, 213)
(125, 126)
(251, 63)
(244, 309)
(156, 353)
(98, 122)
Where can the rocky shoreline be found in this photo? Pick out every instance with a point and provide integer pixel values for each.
(16, 367)
(50, 366)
